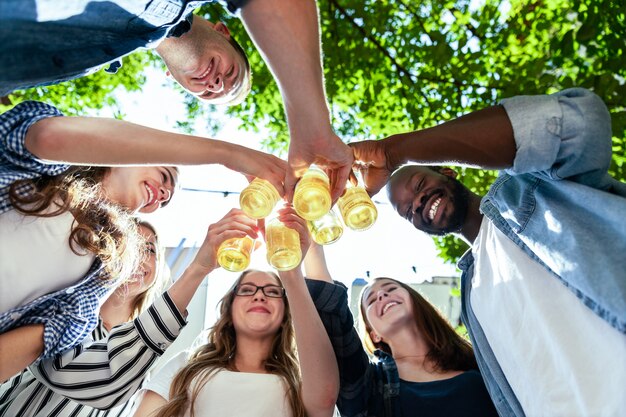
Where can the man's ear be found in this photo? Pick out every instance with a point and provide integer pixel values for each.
(220, 27)
(448, 172)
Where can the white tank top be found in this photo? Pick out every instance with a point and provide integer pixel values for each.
(228, 393)
(35, 257)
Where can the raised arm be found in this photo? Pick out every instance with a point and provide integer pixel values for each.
(320, 377)
(331, 302)
(315, 266)
(480, 139)
(124, 357)
(287, 34)
(110, 142)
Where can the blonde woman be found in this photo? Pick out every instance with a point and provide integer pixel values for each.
(249, 365)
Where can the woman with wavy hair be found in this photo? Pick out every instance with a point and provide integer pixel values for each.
(421, 366)
(101, 375)
(249, 365)
(74, 220)
(23, 394)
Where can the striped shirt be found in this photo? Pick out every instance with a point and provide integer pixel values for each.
(70, 314)
(100, 376)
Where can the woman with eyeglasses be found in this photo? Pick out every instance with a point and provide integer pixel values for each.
(249, 365)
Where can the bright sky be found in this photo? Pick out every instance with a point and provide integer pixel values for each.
(390, 248)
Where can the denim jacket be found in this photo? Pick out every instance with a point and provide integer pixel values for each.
(560, 206)
(45, 42)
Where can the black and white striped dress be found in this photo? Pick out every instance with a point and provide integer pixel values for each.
(99, 377)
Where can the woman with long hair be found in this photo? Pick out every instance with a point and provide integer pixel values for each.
(103, 375)
(61, 205)
(249, 365)
(421, 366)
(24, 394)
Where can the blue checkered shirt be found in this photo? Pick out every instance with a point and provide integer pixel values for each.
(71, 314)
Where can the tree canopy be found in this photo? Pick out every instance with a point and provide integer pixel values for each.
(395, 66)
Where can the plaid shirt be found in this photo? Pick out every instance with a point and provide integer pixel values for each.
(100, 377)
(69, 315)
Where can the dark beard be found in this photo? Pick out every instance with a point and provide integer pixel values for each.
(460, 201)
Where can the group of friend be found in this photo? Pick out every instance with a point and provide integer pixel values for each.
(84, 312)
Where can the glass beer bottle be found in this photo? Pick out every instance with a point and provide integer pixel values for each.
(311, 198)
(283, 246)
(326, 230)
(234, 254)
(357, 209)
(258, 199)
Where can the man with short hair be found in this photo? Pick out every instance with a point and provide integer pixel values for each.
(52, 41)
(544, 284)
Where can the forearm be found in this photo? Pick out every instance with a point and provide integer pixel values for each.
(287, 34)
(480, 139)
(183, 290)
(320, 376)
(315, 266)
(19, 348)
(102, 141)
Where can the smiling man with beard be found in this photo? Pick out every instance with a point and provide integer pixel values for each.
(543, 286)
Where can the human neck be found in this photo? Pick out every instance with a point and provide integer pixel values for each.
(408, 343)
(410, 352)
(474, 218)
(116, 310)
(252, 353)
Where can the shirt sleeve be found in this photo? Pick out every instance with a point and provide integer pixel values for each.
(68, 315)
(14, 125)
(107, 373)
(331, 302)
(162, 379)
(564, 135)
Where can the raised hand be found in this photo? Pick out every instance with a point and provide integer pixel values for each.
(288, 216)
(329, 153)
(372, 160)
(253, 164)
(233, 225)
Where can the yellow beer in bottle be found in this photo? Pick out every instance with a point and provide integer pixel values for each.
(283, 246)
(311, 198)
(357, 209)
(326, 230)
(258, 199)
(234, 254)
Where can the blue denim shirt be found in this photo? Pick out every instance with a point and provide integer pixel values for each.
(45, 42)
(560, 206)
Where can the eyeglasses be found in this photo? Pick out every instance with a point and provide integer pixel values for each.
(248, 290)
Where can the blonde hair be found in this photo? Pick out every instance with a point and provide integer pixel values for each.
(219, 353)
(161, 278)
(100, 226)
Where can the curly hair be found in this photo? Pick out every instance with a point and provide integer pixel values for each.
(100, 227)
(219, 353)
